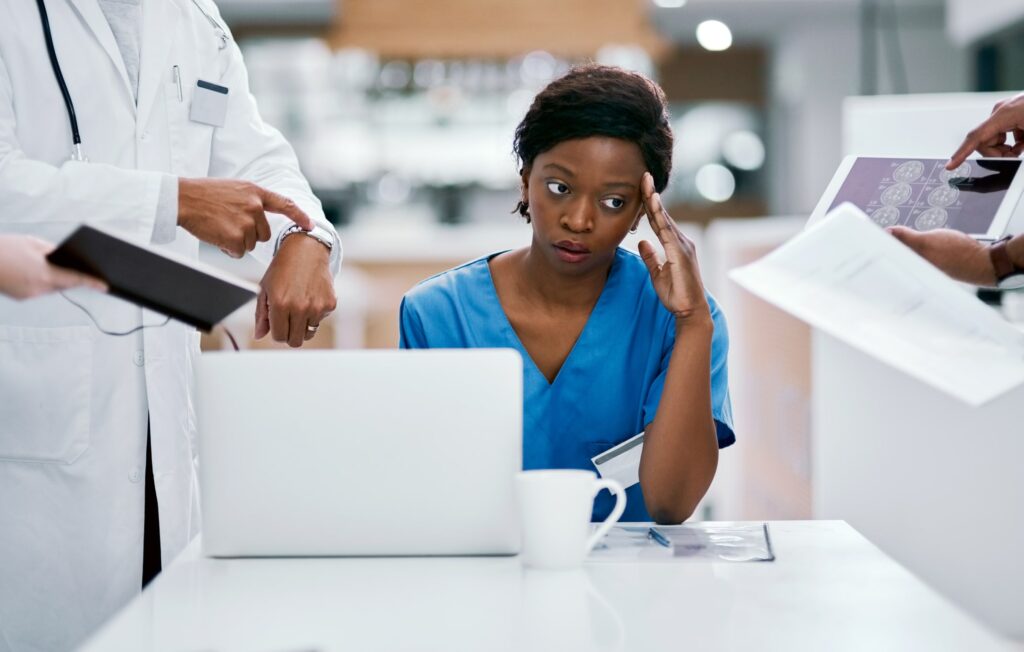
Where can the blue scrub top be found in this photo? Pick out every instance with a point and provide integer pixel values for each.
(609, 386)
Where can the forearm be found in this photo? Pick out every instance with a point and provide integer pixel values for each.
(680, 454)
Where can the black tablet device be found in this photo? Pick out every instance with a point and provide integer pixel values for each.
(979, 198)
(186, 290)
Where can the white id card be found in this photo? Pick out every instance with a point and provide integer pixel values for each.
(209, 104)
(622, 461)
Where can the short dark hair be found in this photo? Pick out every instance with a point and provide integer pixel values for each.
(595, 100)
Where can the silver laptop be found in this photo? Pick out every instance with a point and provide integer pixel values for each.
(360, 453)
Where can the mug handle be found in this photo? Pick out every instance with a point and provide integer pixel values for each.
(613, 518)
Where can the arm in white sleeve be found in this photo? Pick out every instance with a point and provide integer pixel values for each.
(248, 148)
(165, 226)
(35, 192)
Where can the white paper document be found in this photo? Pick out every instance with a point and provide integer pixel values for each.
(851, 279)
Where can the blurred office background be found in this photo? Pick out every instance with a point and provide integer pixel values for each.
(402, 114)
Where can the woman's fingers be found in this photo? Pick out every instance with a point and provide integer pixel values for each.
(650, 257)
(66, 279)
(655, 210)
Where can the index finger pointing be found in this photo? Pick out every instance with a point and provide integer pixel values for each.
(278, 204)
(962, 152)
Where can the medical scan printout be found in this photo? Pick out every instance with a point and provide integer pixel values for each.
(851, 279)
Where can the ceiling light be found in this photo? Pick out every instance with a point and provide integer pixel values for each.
(743, 150)
(714, 35)
(715, 182)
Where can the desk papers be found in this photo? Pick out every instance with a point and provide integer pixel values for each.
(712, 541)
(859, 284)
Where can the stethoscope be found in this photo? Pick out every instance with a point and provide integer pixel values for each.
(76, 137)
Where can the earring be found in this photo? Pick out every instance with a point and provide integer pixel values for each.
(524, 209)
(633, 229)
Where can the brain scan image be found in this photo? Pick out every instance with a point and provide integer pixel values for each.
(943, 196)
(909, 171)
(978, 197)
(932, 218)
(886, 216)
(896, 194)
(963, 172)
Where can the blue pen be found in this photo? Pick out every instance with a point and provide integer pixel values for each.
(659, 537)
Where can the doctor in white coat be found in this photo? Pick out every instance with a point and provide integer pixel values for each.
(75, 403)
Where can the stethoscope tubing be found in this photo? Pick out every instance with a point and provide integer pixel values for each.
(76, 138)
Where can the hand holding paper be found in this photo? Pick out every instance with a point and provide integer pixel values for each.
(851, 279)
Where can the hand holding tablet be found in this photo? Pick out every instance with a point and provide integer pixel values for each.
(186, 290)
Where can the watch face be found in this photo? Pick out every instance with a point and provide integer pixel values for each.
(321, 234)
(1012, 282)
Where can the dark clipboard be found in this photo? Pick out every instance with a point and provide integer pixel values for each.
(185, 290)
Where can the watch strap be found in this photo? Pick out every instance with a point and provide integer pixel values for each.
(318, 233)
(1001, 261)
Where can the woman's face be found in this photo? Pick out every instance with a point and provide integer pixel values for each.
(583, 196)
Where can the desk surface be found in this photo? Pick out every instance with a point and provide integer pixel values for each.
(830, 589)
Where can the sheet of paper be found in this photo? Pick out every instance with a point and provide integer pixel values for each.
(851, 279)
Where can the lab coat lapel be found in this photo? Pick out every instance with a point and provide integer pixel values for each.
(92, 16)
(159, 27)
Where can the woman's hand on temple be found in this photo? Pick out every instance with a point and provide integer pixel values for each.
(676, 279)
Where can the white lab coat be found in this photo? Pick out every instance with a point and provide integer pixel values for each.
(74, 403)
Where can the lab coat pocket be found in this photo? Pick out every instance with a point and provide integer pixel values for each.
(190, 142)
(45, 393)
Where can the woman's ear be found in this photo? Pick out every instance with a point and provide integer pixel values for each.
(524, 178)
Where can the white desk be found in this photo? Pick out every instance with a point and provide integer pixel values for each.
(830, 589)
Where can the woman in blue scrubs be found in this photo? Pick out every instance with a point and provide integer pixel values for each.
(613, 344)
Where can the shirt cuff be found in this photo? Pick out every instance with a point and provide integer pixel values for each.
(165, 226)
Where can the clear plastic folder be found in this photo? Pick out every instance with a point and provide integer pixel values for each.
(714, 541)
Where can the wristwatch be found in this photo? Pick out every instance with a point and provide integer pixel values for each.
(320, 234)
(1008, 275)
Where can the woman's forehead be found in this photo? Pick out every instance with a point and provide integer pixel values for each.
(596, 156)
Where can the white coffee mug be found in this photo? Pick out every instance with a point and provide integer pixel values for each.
(555, 508)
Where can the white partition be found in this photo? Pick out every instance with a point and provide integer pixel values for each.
(933, 482)
(970, 20)
(766, 475)
(930, 125)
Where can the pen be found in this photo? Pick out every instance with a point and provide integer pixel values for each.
(177, 80)
(659, 537)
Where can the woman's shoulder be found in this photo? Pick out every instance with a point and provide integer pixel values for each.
(631, 264)
(632, 273)
(451, 283)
